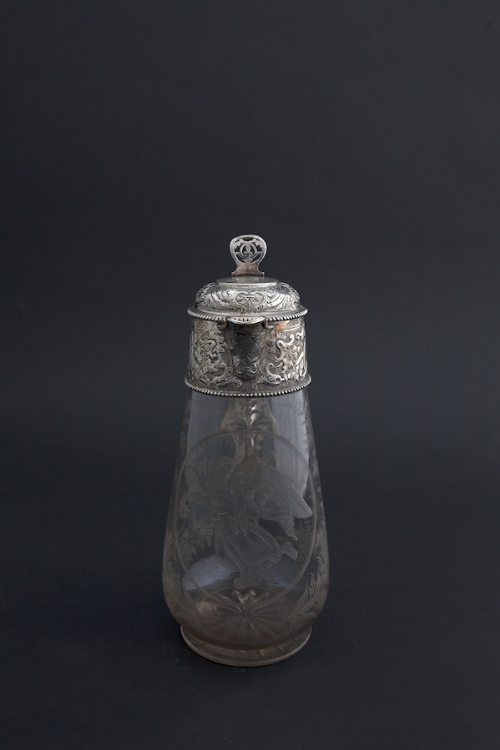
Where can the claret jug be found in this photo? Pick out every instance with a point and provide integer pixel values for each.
(245, 569)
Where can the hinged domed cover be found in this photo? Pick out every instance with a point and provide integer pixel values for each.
(247, 294)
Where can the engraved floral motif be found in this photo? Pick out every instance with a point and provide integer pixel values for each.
(253, 614)
(243, 535)
(243, 617)
(246, 560)
(316, 589)
(225, 511)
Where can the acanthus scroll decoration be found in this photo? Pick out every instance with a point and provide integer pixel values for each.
(224, 359)
(215, 298)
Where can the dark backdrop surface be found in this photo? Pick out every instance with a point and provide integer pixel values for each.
(360, 139)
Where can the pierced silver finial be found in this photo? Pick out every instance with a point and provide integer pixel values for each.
(248, 250)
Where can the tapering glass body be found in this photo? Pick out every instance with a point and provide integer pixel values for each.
(245, 568)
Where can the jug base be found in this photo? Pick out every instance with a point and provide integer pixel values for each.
(243, 657)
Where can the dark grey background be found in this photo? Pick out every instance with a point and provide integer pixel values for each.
(360, 139)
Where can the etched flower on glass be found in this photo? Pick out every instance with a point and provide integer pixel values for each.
(246, 561)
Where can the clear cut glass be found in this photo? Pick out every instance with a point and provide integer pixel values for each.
(245, 569)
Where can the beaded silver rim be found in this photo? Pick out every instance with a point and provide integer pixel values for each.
(222, 318)
(256, 394)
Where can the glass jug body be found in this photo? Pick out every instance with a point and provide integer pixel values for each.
(245, 569)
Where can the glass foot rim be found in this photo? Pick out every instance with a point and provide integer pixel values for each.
(234, 657)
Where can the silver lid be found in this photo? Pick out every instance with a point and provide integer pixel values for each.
(248, 336)
(247, 295)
